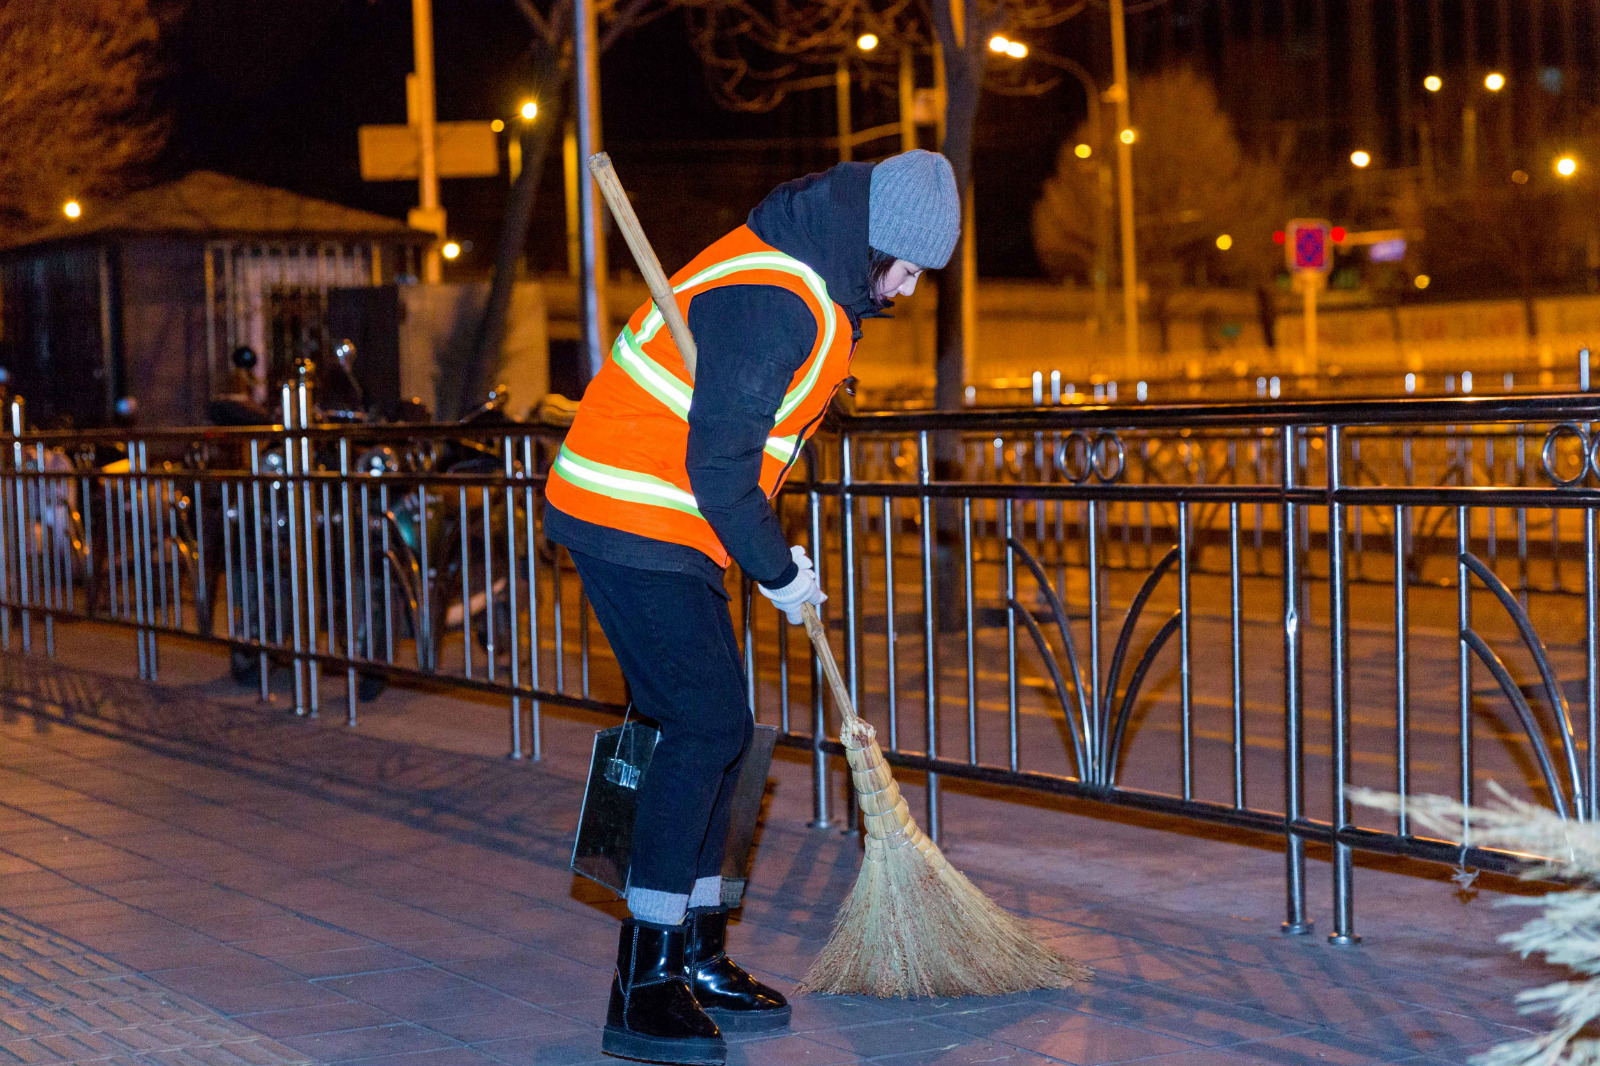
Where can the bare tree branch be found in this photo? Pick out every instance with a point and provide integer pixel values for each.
(75, 81)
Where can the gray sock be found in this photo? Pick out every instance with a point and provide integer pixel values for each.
(662, 908)
(707, 892)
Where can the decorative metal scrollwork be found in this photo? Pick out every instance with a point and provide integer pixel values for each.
(1097, 732)
(1079, 456)
(1589, 453)
(1519, 702)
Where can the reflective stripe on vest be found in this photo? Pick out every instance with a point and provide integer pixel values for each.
(783, 448)
(621, 484)
(665, 386)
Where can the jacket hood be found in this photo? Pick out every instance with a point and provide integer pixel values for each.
(821, 220)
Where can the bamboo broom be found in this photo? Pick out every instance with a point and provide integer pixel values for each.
(914, 925)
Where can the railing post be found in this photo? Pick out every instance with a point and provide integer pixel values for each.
(305, 372)
(1339, 645)
(1295, 921)
(930, 629)
(819, 717)
(24, 564)
(852, 651)
(350, 683)
(292, 495)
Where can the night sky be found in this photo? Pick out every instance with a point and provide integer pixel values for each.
(274, 91)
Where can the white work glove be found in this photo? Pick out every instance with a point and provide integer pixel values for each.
(802, 589)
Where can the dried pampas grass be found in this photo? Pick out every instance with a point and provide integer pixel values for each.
(1566, 933)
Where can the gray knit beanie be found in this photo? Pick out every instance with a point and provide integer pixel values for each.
(914, 212)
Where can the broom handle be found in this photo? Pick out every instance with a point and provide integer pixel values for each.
(605, 176)
(819, 641)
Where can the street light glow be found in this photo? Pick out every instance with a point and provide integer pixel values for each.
(1017, 50)
(998, 43)
(867, 42)
(72, 209)
(1433, 83)
(530, 110)
(1495, 82)
(497, 125)
(1224, 242)
(1566, 166)
(1422, 281)
(1360, 158)
(1083, 151)
(450, 250)
(1127, 136)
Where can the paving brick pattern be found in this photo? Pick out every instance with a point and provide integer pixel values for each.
(62, 1003)
(189, 878)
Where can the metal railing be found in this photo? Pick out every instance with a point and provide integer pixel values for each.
(1231, 613)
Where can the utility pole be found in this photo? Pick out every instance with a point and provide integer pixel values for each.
(1130, 269)
(591, 290)
(429, 216)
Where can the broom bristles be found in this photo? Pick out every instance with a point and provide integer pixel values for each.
(914, 925)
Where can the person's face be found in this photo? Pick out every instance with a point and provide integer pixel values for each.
(899, 280)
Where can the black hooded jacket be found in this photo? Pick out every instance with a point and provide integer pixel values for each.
(751, 340)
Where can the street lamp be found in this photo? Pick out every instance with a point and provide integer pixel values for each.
(1083, 151)
(72, 209)
(1224, 242)
(867, 42)
(497, 126)
(1433, 83)
(451, 250)
(1494, 81)
(1566, 166)
(530, 110)
(999, 44)
(1360, 159)
(1128, 136)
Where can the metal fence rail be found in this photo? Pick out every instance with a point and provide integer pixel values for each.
(1232, 613)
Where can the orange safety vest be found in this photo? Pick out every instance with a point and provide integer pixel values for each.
(623, 464)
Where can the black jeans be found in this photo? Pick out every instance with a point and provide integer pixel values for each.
(673, 637)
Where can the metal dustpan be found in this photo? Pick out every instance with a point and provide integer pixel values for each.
(603, 849)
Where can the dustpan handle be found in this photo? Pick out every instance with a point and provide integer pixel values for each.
(819, 641)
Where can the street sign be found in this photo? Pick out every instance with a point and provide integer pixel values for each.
(464, 150)
(1309, 245)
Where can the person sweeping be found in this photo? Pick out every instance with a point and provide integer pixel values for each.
(664, 478)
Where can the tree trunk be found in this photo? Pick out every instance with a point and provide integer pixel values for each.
(491, 332)
(963, 82)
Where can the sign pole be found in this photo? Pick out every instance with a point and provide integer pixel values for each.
(1308, 251)
(591, 244)
(429, 217)
(1308, 281)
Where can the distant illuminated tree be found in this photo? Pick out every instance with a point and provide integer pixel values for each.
(1193, 184)
(76, 118)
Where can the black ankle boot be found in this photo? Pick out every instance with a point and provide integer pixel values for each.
(653, 1015)
(737, 1001)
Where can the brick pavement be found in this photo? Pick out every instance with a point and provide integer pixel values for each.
(354, 897)
(61, 1002)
